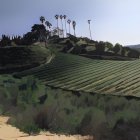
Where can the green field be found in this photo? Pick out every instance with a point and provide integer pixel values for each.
(77, 73)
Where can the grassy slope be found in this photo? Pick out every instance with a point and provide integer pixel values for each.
(22, 57)
(77, 73)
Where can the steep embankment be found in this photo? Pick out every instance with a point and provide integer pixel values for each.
(77, 73)
(22, 57)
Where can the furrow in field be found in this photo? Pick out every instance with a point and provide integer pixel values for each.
(113, 72)
(74, 77)
(70, 72)
(124, 77)
(92, 79)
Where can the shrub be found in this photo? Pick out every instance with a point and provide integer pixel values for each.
(41, 119)
(31, 129)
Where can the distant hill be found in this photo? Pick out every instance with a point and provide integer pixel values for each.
(134, 47)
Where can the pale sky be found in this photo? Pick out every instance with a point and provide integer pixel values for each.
(111, 20)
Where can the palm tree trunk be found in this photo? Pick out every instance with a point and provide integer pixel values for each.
(74, 33)
(47, 27)
(69, 28)
(90, 32)
(66, 27)
(62, 28)
(57, 27)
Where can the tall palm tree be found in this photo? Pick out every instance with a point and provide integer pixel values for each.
(61, 17)
(48, 24)
(65, 24)
(57, 17)
(69, 21)
(90, 29)
(42, 19)
(74, 25)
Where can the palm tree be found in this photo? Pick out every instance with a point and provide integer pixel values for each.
(89, 29)
(42, 19)
(74, 24)
(69, 21)
(65, 24)
(57, 17)
(48, 24)
(61, 17)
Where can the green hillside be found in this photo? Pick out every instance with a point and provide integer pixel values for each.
(22, 57)
(77, 73)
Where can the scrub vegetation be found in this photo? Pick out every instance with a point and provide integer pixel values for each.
(34, 107)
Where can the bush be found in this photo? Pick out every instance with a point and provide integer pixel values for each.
(72, 38)
(41, 119)
(31, 129)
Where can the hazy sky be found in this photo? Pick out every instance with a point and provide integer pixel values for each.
(112, 20)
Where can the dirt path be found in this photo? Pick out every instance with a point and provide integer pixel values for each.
(50, 58)
(8, 132)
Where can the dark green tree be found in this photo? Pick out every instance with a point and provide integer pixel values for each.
(133, 54)
(5, 41)
(100, 47)
(117, 48)
(29, 38)
(109, 46)
(40, 32)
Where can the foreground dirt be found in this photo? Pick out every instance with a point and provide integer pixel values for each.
(8, 132)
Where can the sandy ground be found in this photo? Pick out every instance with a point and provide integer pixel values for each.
(8, 132)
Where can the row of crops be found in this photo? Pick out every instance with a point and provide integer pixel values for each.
(77, 73)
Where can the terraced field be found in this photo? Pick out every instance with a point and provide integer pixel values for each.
(77, 73)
